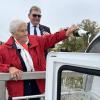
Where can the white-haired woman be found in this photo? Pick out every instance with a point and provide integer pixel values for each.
(23, 53)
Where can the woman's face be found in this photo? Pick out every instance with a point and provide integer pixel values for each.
(21, 35)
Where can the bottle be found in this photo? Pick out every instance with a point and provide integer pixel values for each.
(80, 32)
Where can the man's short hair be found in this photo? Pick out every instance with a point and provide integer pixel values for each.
(34, 8)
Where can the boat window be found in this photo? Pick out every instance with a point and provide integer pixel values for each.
(78, 83)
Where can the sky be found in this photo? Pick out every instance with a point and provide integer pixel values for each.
(55, 13)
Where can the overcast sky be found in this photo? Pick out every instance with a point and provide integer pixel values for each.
(55, 13)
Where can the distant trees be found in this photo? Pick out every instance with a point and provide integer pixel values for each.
(90, 26)
(79, 44)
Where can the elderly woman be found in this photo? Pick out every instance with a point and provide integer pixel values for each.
(23, 53)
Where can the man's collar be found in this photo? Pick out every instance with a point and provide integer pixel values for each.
(31, 25)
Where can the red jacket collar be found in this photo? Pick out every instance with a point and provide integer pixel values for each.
(32, 41)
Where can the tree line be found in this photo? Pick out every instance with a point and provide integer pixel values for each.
(79, 44)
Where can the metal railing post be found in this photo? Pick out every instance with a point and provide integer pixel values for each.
(2, 90)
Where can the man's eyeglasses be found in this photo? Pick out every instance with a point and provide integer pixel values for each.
(36, 15)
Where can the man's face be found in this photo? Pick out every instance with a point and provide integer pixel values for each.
(35, 17)
(21, 34)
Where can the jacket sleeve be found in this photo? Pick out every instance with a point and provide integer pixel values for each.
(3, 67)
(52, 39)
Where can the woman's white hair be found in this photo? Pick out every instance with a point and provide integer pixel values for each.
(14, 25)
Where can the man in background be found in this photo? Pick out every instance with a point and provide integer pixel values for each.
(34, 27)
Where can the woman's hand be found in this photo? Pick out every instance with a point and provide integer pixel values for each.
(45, 33)
(15, 73)
(71, 29)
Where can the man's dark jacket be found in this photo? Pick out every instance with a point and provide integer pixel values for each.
(41, 27)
